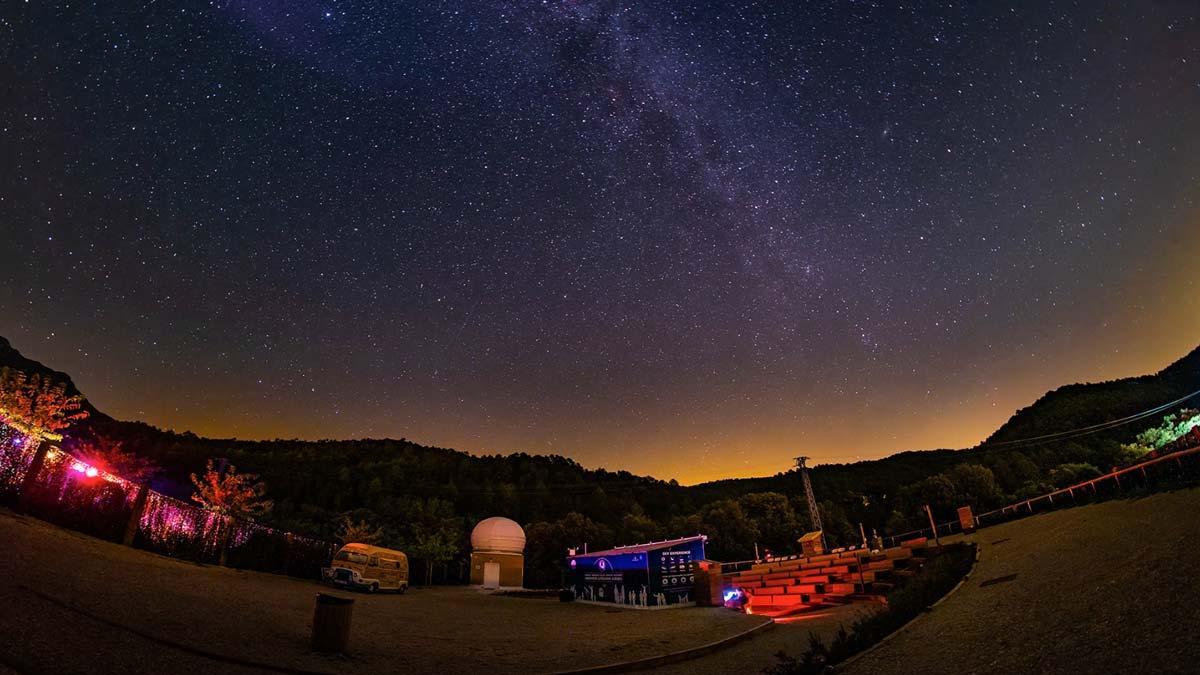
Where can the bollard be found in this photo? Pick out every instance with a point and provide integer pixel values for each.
(331, 623)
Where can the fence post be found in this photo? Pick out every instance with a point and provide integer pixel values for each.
(35, 467)
(226, 537)
(287, 553)
(135, 518)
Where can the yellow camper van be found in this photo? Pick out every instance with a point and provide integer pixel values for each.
(368, 568)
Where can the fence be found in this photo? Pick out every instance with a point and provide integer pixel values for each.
(1181, 462)
(63, 490)
(1166, 467)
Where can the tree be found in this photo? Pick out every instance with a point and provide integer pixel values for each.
(773, 515)
(433, 545)
(351, 531)
(37, 406)
(1013, 469)
(1068, 474)
(1173, 427)
(897, 523)
(543, 568)
(638, 528)
(731, 535)
(430, 531)
(229, 493)
(232, 495)
(838, 528)
(546, 545)
(937, 491)
(974, 485)
(109, 454)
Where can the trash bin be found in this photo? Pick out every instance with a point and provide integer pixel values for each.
(331, 623)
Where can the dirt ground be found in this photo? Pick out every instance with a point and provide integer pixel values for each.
(1107, 588)
(1103, 588)
(74, 604)
(754, 655)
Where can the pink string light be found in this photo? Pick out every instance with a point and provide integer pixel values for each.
(170, 524)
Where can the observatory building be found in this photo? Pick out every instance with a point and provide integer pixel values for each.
(498, 554)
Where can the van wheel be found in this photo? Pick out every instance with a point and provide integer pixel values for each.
(374, 588)
(403, 589)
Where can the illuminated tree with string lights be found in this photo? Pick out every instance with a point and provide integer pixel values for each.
(231, 495)
(110, 455)
(36, 405)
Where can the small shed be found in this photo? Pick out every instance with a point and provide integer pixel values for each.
(812, 543)
(656, 575)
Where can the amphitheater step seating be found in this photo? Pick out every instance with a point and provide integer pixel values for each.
(783, 587)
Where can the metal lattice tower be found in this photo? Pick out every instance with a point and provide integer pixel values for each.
(814, 513)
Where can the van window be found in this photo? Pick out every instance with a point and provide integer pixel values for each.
(342, 555)
(358, 558)
(389, 564)
(373, 561)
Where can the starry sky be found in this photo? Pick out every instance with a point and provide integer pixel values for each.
(691, 240)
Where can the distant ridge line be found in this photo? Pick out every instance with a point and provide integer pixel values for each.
(1095, 428)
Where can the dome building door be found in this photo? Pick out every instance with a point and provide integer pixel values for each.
(491, 575)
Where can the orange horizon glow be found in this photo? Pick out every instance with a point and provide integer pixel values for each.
(1149, 321)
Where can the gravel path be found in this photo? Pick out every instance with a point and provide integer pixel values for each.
(1107, 588)
(74, 604)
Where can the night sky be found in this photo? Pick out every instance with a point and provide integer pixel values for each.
(685, 239)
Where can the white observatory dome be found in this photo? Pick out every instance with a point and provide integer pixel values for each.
(500, 535)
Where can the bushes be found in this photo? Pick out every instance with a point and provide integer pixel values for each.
(943, 570)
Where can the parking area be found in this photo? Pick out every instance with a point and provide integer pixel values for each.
(80, 604)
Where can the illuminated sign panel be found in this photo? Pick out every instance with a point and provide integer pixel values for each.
(648, 575)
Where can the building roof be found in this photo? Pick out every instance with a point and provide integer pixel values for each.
(642, 548)
(498, 535)
(368, 549)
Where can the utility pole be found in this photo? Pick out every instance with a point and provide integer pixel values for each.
(933, 526)
(814, 513)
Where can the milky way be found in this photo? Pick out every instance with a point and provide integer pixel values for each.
(688, 239)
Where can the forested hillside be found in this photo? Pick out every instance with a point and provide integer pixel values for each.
(1081, 405)
(411, 491)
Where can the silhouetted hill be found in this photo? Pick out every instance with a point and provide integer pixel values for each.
(389, 480)
(1080, 405)
(11, 358)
